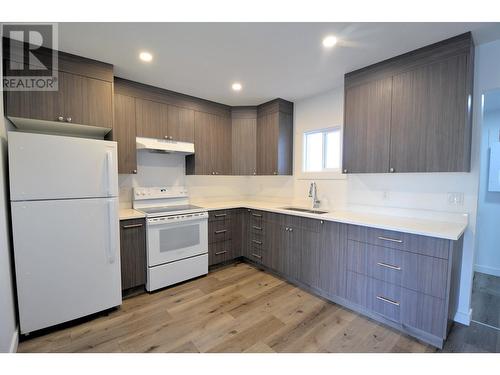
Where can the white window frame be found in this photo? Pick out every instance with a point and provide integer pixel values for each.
(325, 173)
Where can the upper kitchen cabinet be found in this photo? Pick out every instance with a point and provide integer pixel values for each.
(151, 119)
(366, 138)
(275, 138)
(411, 113)
(180, 124)
(84, 95)
(244, 140)
(212, 139)
(124, 133)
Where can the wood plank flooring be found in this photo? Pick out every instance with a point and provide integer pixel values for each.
(234, 309)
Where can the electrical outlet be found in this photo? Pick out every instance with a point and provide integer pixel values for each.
(456, 199)
(386, 195)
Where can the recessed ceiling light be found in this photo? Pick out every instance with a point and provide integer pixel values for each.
(145, 56)
(236, 86)
(329, 41)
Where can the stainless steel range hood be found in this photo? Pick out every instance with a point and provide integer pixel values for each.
(164, 146)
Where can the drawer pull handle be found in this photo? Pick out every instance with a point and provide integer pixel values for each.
(256, 227)
(220, 215)
(257, 256)
(221, 252)
(389, 239)
(220, 231)
(131, 226)
(257, 242)
(257, 215)
(388, 300)
(381, 264)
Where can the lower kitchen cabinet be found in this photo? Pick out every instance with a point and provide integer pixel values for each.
(133, 253)
(407, 281)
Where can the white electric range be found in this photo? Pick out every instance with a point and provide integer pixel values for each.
(177, 235)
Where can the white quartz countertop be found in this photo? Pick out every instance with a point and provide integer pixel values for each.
(424, 227)
(130, 213)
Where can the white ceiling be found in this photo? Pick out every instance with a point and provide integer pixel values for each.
(271, 60)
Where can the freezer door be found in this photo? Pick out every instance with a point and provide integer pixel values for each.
(45, 166)
(66, 259)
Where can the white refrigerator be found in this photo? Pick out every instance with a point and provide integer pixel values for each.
(65, 226)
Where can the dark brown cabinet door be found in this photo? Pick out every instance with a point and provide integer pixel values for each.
(267, 144)
(212, 136)
(367, 126)
(180, 124)
(333, 258)
(97, 102)
(124, 133)
(202, 162)
(429, 131)
(223, 145)
(133, 253)
(244, 146)
(151, 119)
(65, 104)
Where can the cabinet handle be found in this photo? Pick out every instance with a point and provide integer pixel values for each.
(68, 119)
(60, 118)
(171, 138)
(221, 252)
(256, 227)
(220, 215)
(220, 231)
(290, 229)
(389, 239)
(257, 215)
(254, 173)
(134, 171)
(345, 170)
(388, 300)
(166, 137)
(381, 264)
(287, 229)
(131, 226)
(257, 256)
(257, 242)
(275, 172)
(392, 170)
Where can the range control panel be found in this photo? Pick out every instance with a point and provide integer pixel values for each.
(142, 193)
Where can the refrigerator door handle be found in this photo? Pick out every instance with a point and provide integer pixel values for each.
(112, 232)
(109, 171)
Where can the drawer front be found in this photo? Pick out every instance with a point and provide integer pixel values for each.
(256, 254)
(219, 215)
(423, 245)
(375, 295)
(258, 229)
(219, 230)
(424, 312)
(219, 252)
(417, 272)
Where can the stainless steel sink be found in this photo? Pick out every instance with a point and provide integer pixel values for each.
(304, 210)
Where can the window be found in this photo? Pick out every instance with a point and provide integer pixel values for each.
(322, 150)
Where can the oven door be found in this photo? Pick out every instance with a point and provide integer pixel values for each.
(175, 238)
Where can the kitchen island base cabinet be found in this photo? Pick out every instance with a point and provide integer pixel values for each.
(133, 253)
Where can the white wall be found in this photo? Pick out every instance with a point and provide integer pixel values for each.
(488, 212)
(8, 323)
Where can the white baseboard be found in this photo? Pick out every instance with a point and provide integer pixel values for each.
(14, 342)
(487, 270)
(463, 317)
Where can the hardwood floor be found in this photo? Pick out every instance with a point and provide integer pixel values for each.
(234, 309)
